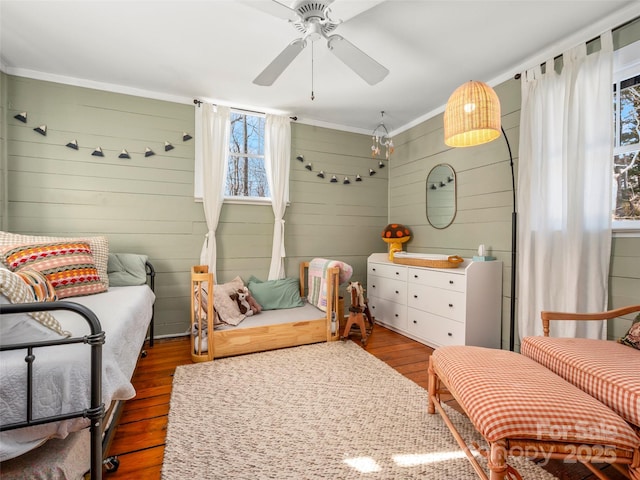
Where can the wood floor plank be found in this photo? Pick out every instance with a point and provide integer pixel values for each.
(140, 435)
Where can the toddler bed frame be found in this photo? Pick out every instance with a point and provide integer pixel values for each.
(251, 339)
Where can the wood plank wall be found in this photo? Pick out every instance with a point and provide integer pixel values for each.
(3, 151)
(485, 199)
(145, 204)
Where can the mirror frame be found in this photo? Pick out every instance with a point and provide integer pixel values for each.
(455, 195)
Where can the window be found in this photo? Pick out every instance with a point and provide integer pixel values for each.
(626, 151)
(246, 173)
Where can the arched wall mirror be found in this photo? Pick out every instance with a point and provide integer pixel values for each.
(441, 196)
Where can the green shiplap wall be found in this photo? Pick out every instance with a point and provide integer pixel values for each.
(145, 204)
(3, 150)
(324, 219)
(485, 200)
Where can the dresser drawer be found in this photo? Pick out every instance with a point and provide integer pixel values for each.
(436, 330)
(445, 303)
(388, 313)
(397, 272)
(438, 279)
(387, 288)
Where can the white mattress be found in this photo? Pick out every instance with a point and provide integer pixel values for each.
(272, 317)
(62, 374)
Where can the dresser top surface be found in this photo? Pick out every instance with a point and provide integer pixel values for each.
(383, 258)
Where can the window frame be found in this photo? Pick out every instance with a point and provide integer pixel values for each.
(626, 64)
(242, 200)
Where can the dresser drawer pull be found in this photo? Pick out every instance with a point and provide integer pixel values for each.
(451, 305)
(450, 334)
(397, 273)
(415, 296)
(415, 276)
(374, 269)
(373, 286)
(397, 292)
(396, 315)
(450, 282)
(415, 321)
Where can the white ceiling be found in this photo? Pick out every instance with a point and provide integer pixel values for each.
(213, 49)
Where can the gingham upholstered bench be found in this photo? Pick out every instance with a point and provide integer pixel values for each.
(522, 408)
(606, 370)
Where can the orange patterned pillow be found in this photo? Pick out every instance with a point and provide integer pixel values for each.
(39, 284)
(69, 266)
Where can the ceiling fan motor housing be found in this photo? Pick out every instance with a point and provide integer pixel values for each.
(314, 16)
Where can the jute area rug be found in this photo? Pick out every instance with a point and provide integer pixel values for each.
(323, 411)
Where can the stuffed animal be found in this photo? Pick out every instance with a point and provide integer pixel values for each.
(240, 296)
(255, 306)
(201, 341)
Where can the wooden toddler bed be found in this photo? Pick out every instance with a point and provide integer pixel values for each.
(267, 331)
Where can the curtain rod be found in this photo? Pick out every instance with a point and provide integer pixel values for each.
(622, 25)
(199, 102)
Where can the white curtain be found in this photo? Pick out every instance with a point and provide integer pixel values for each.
(564, 191)
(212, 122)
(277, 157)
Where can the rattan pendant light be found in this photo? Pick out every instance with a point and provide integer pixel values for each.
(472, 115)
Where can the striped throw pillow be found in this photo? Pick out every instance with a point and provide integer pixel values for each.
(69, 266)
(14, 328)
(39, 284)
(632, 337)
(99, 247)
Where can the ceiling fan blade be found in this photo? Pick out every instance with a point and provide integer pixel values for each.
(273, 7)
(358, 61)
(280, 63)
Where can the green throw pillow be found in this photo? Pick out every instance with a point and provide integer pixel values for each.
(276, 294)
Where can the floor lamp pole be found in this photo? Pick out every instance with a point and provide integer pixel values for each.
(514, 229)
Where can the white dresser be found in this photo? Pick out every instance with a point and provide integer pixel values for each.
(438, 306)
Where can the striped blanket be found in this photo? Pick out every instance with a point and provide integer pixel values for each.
(317, 287)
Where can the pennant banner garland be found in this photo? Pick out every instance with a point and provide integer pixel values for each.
(97, 152)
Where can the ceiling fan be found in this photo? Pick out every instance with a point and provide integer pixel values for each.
(311, 18)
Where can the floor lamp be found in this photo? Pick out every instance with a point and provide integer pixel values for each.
(472, 117)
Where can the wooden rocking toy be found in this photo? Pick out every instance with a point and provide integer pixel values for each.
(358, 310)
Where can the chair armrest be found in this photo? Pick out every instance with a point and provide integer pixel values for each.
(618, 312)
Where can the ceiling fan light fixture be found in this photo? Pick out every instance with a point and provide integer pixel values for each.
(472, 115)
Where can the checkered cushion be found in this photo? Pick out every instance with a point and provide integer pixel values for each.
(606, 370)
(509, 396)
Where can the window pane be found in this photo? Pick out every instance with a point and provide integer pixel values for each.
(247, 134)
(629, 111)
(246, 177)
(627, 186)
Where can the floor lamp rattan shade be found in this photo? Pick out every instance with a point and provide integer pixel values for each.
(472, 115)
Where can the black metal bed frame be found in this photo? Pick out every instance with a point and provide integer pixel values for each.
(96, 411)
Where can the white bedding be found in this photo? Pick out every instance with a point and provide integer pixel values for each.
(62, 374)
(272, 317)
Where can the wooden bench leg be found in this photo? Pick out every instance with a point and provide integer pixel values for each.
(433, 380)
(497, 461)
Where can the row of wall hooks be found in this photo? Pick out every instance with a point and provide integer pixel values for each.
(97, 152)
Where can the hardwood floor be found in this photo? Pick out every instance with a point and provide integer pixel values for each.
(140, 435)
